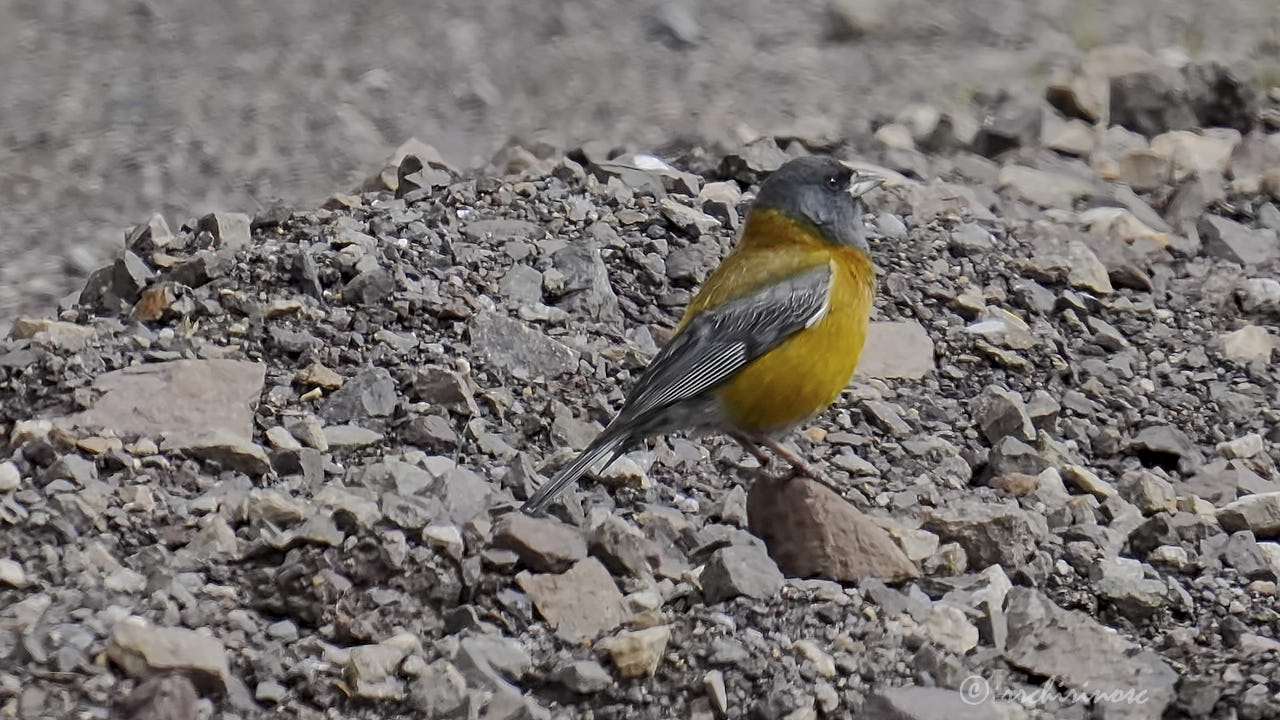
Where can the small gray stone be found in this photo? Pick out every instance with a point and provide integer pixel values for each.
(464, 495)
(269, 691)
(371, 393)
(1149, 492)
(887, 417)
(410, 513)
(12, 574)
(1000, 412)
(146, 238)
(350, 436)
(1243, 553)
(971, 239)
(284, 630)
(1106, 336)
(584, 677)
(543, 544)
(1086, 480)
(231, 230)
(220, 447)
(1041, 187)
(586, 286)
(1257, 513)
(1165, 445)
(636, 653)
(432, 431)
(989, 533)
(169, 696)
(371, 669)
(690, 263)
(1015, 123)
(521, 285)
(443, 387)
(694, 223)
(891, 225)
(70, 467)
(440, 692)
(200, 269)
(1150, 102)
(621, 547)
(1228, 239)
(499, 230)
(281, 439)
(741, 570)
(568, 430)
(10, 477)
(726, 651)
(720, 201)
(512, 346)
(950, 629)
(1121, 582)
(130, 276)
(1259, 295)
(1011, 455)
(1177, 529)
(491, 660)
(754, 161)
(308, 429)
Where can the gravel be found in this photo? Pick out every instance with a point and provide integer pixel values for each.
(256, 484)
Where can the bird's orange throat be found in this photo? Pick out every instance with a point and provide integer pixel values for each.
(768, 228)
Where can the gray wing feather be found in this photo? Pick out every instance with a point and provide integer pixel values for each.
(718, 343)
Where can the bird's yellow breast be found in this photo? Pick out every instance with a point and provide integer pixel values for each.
(807, 372)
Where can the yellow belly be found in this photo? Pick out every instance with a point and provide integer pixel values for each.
(806, 373)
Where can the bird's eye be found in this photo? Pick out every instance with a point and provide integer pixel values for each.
(834, 183)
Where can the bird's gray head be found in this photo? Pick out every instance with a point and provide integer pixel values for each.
(822, 191)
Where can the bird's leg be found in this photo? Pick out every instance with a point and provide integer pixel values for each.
(798, 465)
(750, 446)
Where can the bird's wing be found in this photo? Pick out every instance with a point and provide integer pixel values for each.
(717, 343)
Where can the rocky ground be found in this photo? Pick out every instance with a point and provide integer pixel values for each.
(268, 465)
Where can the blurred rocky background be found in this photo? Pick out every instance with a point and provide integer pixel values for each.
(112, 111)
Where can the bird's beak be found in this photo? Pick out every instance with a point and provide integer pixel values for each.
(863, 183)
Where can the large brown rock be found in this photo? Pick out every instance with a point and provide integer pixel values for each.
(176, 397)
(813, 532)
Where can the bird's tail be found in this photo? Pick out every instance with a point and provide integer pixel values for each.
(609, 444)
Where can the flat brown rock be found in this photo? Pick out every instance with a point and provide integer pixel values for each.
(178, 396)
(143, 650)
(543, 543)
(580, 604)
(812, 532)
(896, 350)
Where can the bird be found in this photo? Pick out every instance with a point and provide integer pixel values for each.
(773, 335)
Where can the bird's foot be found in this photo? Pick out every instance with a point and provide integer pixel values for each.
(800, 468)
(753, 449)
